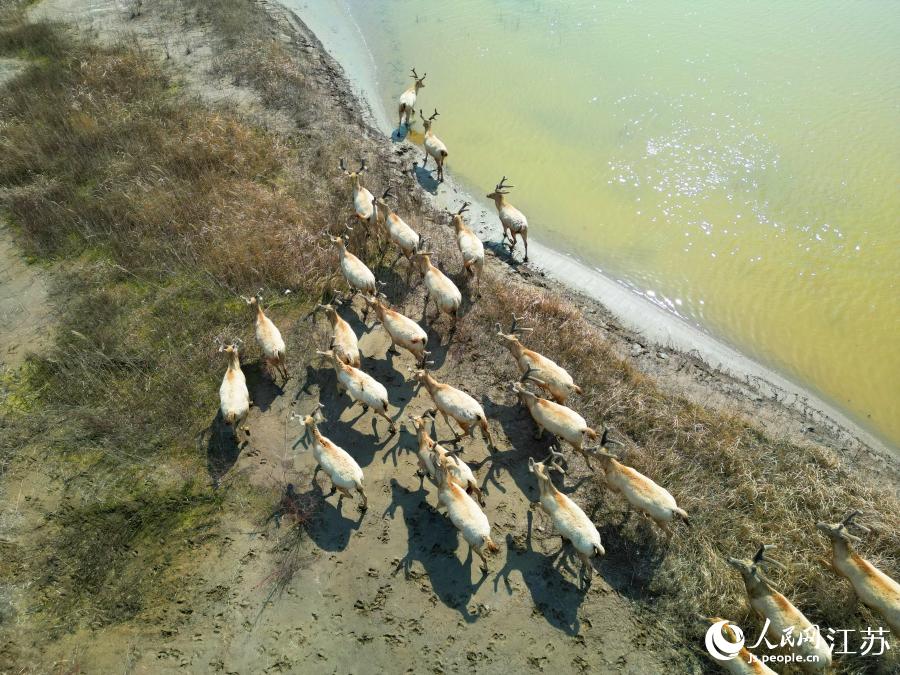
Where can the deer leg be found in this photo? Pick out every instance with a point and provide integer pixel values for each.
(365, 499)
(587, 459)
(425, 161)
(480, 554)
(384, 414)
(525, 240)
(587, 569)
(539, 433)
(486, 432)
(344, 492)
(477, 491)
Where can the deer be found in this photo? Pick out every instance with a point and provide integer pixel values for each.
(342, 469)
(452, 402)
(559, 420)
(464, 512)
(470, 247)
(363, 201)
(446, 296)
(434, 146)
(402, 330)
(429, 454)
(269, 338)
(513, 221)
(343, 340)
(545, 373)
(406, 238)
(744, 662)
(783, 617)
(568, 519)
(642, 493)
(357, 274)
(360, 387)
(408, 98)
(873, 587)
(234, 396)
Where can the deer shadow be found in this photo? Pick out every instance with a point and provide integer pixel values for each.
(399, 134)
(329, 529)
(553, 595)
(425, 178)
(432, 541)
(501, 250)
(262, 387)
(222, 448)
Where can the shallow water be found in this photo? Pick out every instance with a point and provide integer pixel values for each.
(736, 163)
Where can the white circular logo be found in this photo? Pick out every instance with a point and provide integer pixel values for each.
(719, 646)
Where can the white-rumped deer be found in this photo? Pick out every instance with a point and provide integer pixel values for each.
(568, 519)
(234, 397)
(343, 340)
(873, 587)
(452, 402)
(464, 512)
(408, 98)
(268, 337)
(360, 387)
(556, 418)
(651, 499)
(784, 618)
(513, 221)
(401, 234)
(446, 296)
(434, 146)
(363, 201)
(357, 274)
(430, 452)
(545, 373)
(402, 330)
(470, 247)
(342, 469)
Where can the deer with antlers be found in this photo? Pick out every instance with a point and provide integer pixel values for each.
(360, 387)
(408, 98)
(363, 201)
(556, 418)
(343, 340)
(783, 617)
(545, 373)
(401, 234)
(457, 404)
(651, 499)
(342, 469)
(513, 221)
(439, 287)
(568, 519)
(872, 586)
(268, 337)
(357, 274)
(464, 512)
(402, 330)
(430, 453)
(434, 146)
(234, 397)
(470, 247)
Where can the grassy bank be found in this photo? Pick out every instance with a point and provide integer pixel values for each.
(158, 211)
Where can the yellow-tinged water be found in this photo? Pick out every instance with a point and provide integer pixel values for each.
(736, 162)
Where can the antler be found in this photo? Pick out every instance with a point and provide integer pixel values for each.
(551, 462)
(527, 375)
(463, 208)
(342, 165)
(433, 116)
(502, 188)
(362, 165)
(414, 74)
(515, 328)
(760, 558)
(387, 193)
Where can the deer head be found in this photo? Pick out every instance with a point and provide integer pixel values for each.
(500, 189)
(840, 531)
(427, 122)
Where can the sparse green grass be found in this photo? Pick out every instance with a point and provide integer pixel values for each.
(160, 211)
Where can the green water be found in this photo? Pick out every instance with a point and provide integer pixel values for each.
(736, 162)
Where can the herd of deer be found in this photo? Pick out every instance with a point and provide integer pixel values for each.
(458, 490)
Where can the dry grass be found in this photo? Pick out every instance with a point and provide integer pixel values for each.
(164, 210)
